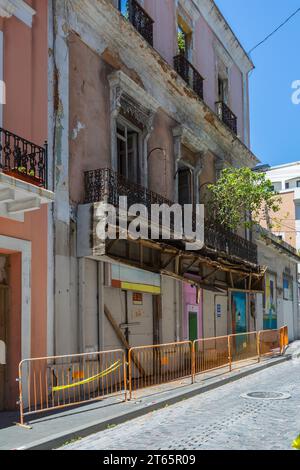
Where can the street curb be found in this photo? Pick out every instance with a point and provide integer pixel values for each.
(58, 440)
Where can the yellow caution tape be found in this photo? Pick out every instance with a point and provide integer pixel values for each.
(108, 371)
(296, 443)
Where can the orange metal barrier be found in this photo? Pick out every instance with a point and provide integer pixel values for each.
(51, 383)
(284, 338)
(159, 364)
(270, 342)
(211, 354)
(243, 346)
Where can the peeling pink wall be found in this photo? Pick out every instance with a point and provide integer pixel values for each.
(161, 165)
(25, 114)
(236, 97)
(165, 27)
(204, 60)
(165, 42)
(90, 143)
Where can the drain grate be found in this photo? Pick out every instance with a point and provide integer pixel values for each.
(266, 395)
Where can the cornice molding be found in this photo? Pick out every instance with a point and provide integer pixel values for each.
(189, 139)
(119, 80)
(18, 8)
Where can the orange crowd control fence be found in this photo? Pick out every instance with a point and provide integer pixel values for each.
(273, 341)
(211, 354)
(52, 383)
(159, 364)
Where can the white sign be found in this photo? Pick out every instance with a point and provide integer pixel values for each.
(193, 308)
(218, 310)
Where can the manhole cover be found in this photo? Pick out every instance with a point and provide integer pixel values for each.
(266, 395)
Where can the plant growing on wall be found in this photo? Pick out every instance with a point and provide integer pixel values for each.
(181, 39)
(238, 192)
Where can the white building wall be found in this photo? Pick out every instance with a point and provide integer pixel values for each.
(171, 318)
(287, 311)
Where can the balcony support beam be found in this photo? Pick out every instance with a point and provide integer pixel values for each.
(7, 195)
(20, 206)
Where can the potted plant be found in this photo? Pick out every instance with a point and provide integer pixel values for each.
(21, 173)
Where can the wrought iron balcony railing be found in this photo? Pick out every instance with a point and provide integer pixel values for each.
(139, 18)
(23, 159)
(107, 185)
(227, 116)
(221, 239)
(189, 74)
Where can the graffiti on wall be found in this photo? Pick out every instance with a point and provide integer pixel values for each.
(239, 312)
(270, 312)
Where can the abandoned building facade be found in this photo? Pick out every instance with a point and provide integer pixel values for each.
(151, 102)
(148, 100)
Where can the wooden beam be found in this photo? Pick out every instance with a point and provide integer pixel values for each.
(189, 266)
(172, 257)
(231, 279)
(122, 338)
(210, 274)
(250, 282)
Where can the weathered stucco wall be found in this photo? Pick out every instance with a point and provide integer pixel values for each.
(161, 165)
(203, 53)
(278, 264)
(90, 140)
(283, 221)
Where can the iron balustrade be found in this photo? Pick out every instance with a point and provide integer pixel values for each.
(139, 18)
(107, 186)
(23, 159)
(226, 241)
(189, 74)
(227, 116)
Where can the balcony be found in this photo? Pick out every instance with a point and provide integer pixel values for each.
(107, 185)
(22, 159)
(227, 116)
(139, 18)
(189, 74)
(225, 241)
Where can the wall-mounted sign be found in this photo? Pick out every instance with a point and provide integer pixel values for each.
(193, 308)
(218, 310)
(137, 298)
(134, 279)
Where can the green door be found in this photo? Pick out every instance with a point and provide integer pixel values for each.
(193, 326)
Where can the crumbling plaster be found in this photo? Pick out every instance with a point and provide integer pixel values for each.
(103, 29)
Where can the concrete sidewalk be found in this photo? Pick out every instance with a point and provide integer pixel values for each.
(53, 430)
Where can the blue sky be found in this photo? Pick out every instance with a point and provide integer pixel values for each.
(275, 120)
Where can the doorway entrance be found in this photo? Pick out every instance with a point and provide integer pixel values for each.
(193, 326)
(3, 341)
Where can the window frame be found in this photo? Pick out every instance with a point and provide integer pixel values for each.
(183, 167)
(137, 164)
